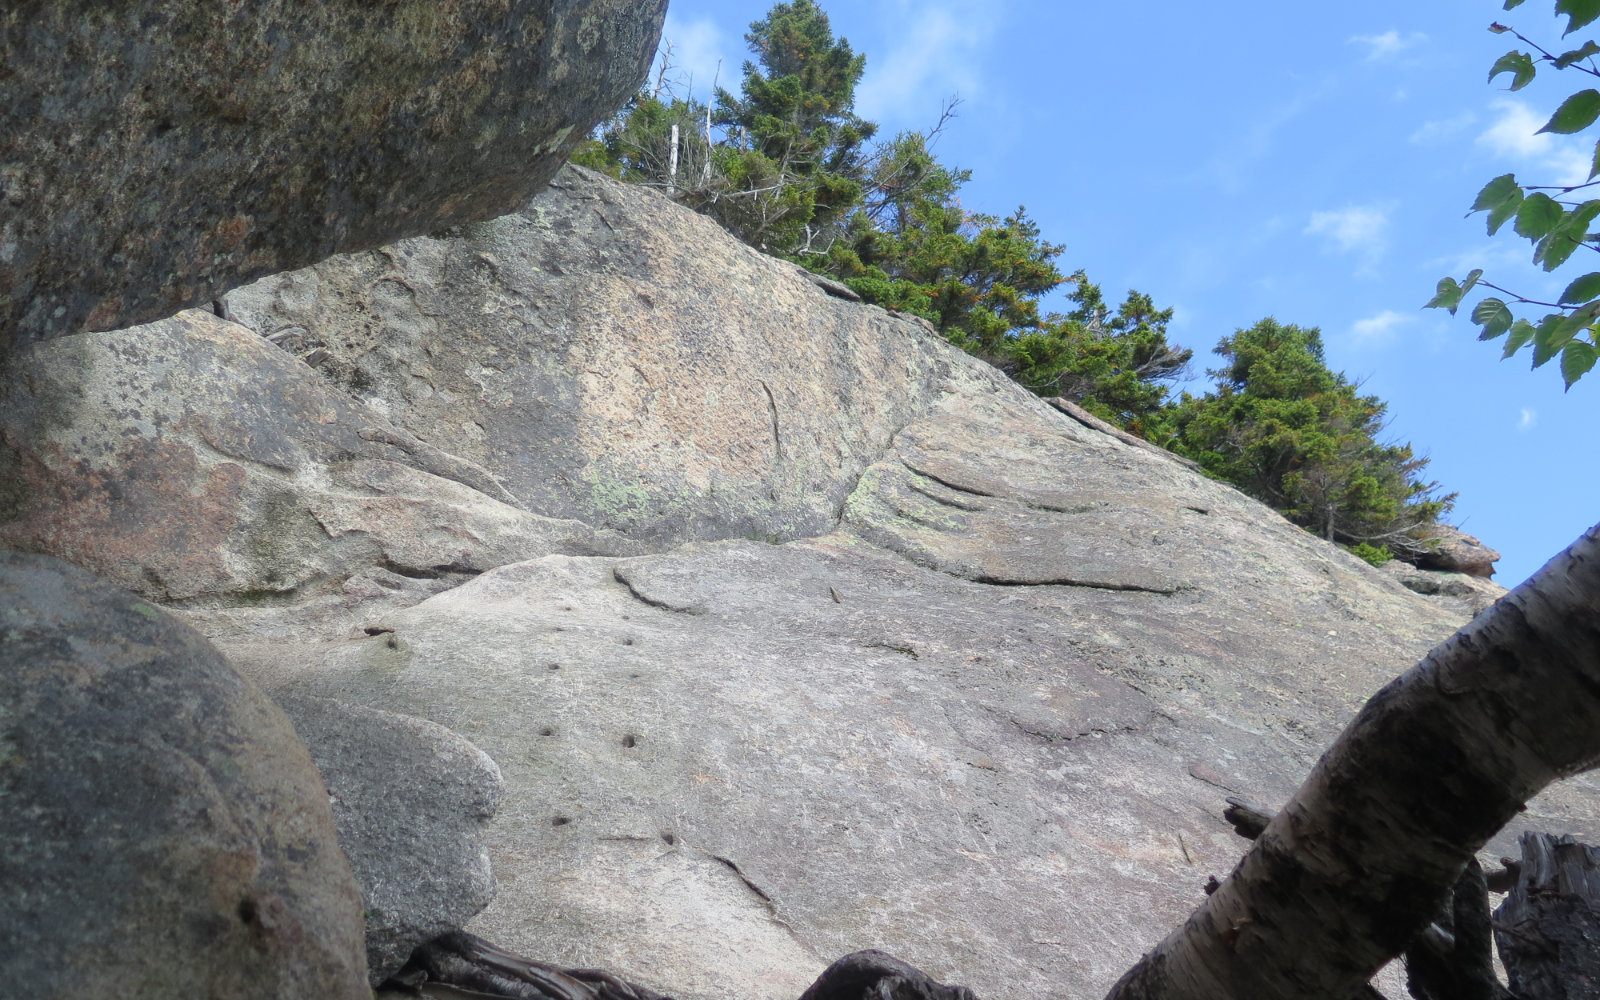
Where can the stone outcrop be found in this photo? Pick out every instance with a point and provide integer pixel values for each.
(165, 834)
(410, 800)
(155, 154)
(1469, 592)
(792, 630)
(1452, 550)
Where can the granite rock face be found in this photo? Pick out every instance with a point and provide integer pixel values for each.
(730, 763)
(155, 154)
(578, 352)
(410, 800)
(190, 460)
(164, 832)
(828, 636)
(1469, 592)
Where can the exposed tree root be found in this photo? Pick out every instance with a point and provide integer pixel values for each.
(459, 966)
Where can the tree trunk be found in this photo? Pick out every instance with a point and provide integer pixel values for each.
(1364, 854)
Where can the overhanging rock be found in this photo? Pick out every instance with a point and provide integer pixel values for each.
(155, 154)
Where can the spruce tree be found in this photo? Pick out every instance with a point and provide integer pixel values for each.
(797, 157)
(1289, 431)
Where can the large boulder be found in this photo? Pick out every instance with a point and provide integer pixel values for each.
(164, 833)
(1454, 551)
(155, 154)
(410, 800)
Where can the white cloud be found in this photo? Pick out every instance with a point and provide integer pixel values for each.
(1514, 132)
(1389, 44)
(1490, 255)
(1232, 168)
(697, 48)
(1357, 229)
(1440, 130)
(1515, 135)
(932, 61)
(1377, 328)
(1529, 418)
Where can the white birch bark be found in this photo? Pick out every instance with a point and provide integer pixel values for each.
(1434, 764)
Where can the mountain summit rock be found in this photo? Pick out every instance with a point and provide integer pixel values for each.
(792, 629)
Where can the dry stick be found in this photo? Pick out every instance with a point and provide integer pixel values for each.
(672, 171)
(1361, 858)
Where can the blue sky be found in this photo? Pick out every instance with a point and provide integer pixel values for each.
(1312, 162)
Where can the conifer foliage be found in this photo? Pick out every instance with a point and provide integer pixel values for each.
(1287, 430)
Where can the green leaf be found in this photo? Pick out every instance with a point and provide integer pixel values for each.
(1494, 316)
(1576, 113)
(1538, 216)
(1554, 250)
(1449, 296)
(1566, 59)
(1518, 64)
(1579, 13)
(1512, 3)
(1556, 331)
(1582, 289)
(1551, 336)
(1499, 215)
(1501, 198)
(1521, 332)
(1497, 192)
(1564, 240)
(1579, 218)
(1472, 279)
(1576, 360)
(1596, 168)
(1498, 28)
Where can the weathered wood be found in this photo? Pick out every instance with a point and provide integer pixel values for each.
(874, 975)
(1250, 821)
(462, 961)
(1548, 928)
(1363, 856)
(1247, 819)
(459, 966)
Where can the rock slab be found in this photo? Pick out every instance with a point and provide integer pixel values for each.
(192, 461)
(154, 154)
(573, 351)
(164, 833)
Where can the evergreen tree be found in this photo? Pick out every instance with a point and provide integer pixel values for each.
(1115, 366)
(1287, 430)
(797, 158)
